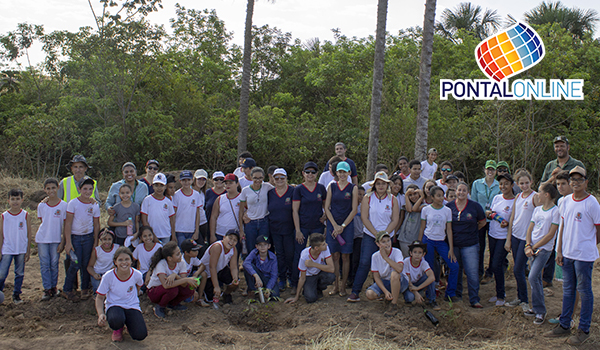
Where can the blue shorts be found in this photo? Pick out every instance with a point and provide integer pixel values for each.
(388, 285)
(347, 235)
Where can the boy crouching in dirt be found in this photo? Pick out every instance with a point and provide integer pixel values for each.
(419, 275)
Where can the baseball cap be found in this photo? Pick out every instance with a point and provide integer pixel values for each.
(417, 244)
(160, 178)
(233, 232)
(432, 150)
(280, 171)
(381, 235)
(491, 164)
(451, 177)
(561, 138)
(231, 177)
(262, 239)
(189, 245)
(506, 177)
(201, 173)
(152, 161)
(343, 166)
(248, 163)
(86, 181)
(186, 174)
(578, 170)
(309, 165)
(503, 164)
(218, 174)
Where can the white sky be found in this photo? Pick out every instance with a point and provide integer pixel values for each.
(305, 19)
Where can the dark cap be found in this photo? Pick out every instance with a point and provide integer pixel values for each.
(152, 161)
(189, 245)
(78, 159)
(248, 163)
(451, 177)
(231, 177)
(309, 165)
(233, 232)
(561, 138)
(417, 244)
(262, 239)
(186, 174)
(86, 181)
(506, 177)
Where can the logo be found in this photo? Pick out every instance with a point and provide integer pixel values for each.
(130, 289)
(21, 225)
(507, 209)
(57, 212)
(578, 217)
(288, 200)
(193, 202)
(165, 206)
(90, 210)
(505, 55)
(387, 207)
(469, 216)
(347, 195)
(319, 196)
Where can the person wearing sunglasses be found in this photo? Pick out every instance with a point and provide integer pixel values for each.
(446, 169)
(152, 168)
(213, 193)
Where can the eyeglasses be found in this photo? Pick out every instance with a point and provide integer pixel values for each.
(152, 168)
(258, 178)
(577, 180)
(310, 171)
(446, 169)
(502, 170)
(219, 179)
(280, 178)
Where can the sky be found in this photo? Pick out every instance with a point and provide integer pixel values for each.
(305, 19)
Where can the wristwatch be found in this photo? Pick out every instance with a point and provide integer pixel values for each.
(344, 225)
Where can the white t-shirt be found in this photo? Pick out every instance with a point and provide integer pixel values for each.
(186, 209)
(163, 268)
(523, 208)
(441, 185)
(223, 261)
(203, 219)
(121, 293)
(244, 181)
(145, 256)
(380, 212)
(542, 222)
(579, 232)
(435, 229)
(414, 273)
(53, 222)
(193, 262)
(401, 201)
(15, 233)
(256, 201)
(502, 207)
(238, 172)
(83, 216)
(428, 170)
(381, 266)
(104, 259)
(159, 213)
(305, 255)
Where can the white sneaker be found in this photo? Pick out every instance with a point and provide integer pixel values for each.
(524, 306)
(493, 299)
(499, 302)
(513, 303)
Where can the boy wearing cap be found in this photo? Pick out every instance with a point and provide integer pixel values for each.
(190, 250)
(239, 172)
(247, 166)
(187, 203)
(429, 166)
(316, 270)
(576, 251)
(419, 276)
(260, 268)
(387, 265)
(158, 211)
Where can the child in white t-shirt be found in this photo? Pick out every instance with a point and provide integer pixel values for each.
(158, 211)
(195, 269)
(187, 203)
(145, 250)
(387, 265)
(429, 166)
(102, 257)
(419, 276)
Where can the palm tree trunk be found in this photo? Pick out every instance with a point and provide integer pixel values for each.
(246, 70)
(378, 65)
(425, 81)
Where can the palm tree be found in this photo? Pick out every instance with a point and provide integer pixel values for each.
(471, 18)
(378, 64)
(425, 81)
(575, 20)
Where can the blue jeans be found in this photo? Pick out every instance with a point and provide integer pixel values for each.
(316, 284)
(548, 274)
(518, 251)
(298, 248)
(48, 264)
(284, 249)
(483, 233)
(367, 249)
(442, 249)
(19, 271)
(535, 280)
(165, 240)
(468, 261)
(83, 246)
(409, 296)
(182, 236)
(264, 278)
(577, 275)
(254, 229)
(498, 254)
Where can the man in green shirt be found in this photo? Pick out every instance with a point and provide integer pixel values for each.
(563, 161)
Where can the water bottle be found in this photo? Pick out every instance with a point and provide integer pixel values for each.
(261, 295)
(497, 217)
(431, 317)
(244, 248)
(340, 239)
(216, 302)
(130, 227)
(73, 257)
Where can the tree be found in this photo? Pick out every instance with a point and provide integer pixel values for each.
(575, 20)
(469, 17)
(425, 80)
(378, 66)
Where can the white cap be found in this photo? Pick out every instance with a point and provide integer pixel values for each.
(160, 178)
(200, 173)
(280, 171)
(218, 174)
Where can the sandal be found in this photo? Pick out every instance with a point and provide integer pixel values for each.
(343, 293)
(245, 293)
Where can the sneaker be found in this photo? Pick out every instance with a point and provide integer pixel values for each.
(539, 319)
(227, 299)
(477, 306)
(17, 299)
(500, 302)
(513, 303)
(54, 292)
(47, 295)
(529, 313)
(524, 306)
(70, 296)
(485, 280)
(353, 298)
(578, 338)
(493, 299)
(557, 331)
(86, 294)
(159, 311)
(117, 335)
(177, 307)
(435, 306)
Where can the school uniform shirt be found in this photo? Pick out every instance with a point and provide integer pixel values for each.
(239, 172)
(209, 200)
(194, 262)
(229, 210)
(579, 232)
(465, 221)
(256, 201)
(311, 205)
(83, 216)
(523, 211)
(187, 206)
(15, 233)
(381, 266)
(159, 213)
(244, 181)
(203, 218)
(122, 214)
(435, 229)
(380, 212)
(341, 202)
(542, 222)
(163, 268)
(281, 220)
(120, 293)
(441, 185)
(53, 222)
(144, 256)
(104, 259)
(410, 181)
(267, 267)
(428, 170)
(502, 207)
(326, 179)
(223, 261)
(305, 255)
(401, 201)
(414, 273)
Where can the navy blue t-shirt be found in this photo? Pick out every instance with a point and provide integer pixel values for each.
(464, 223)
(209, 200)
(311, 205)
(353, 172)
(281, 220)
(341, 201)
